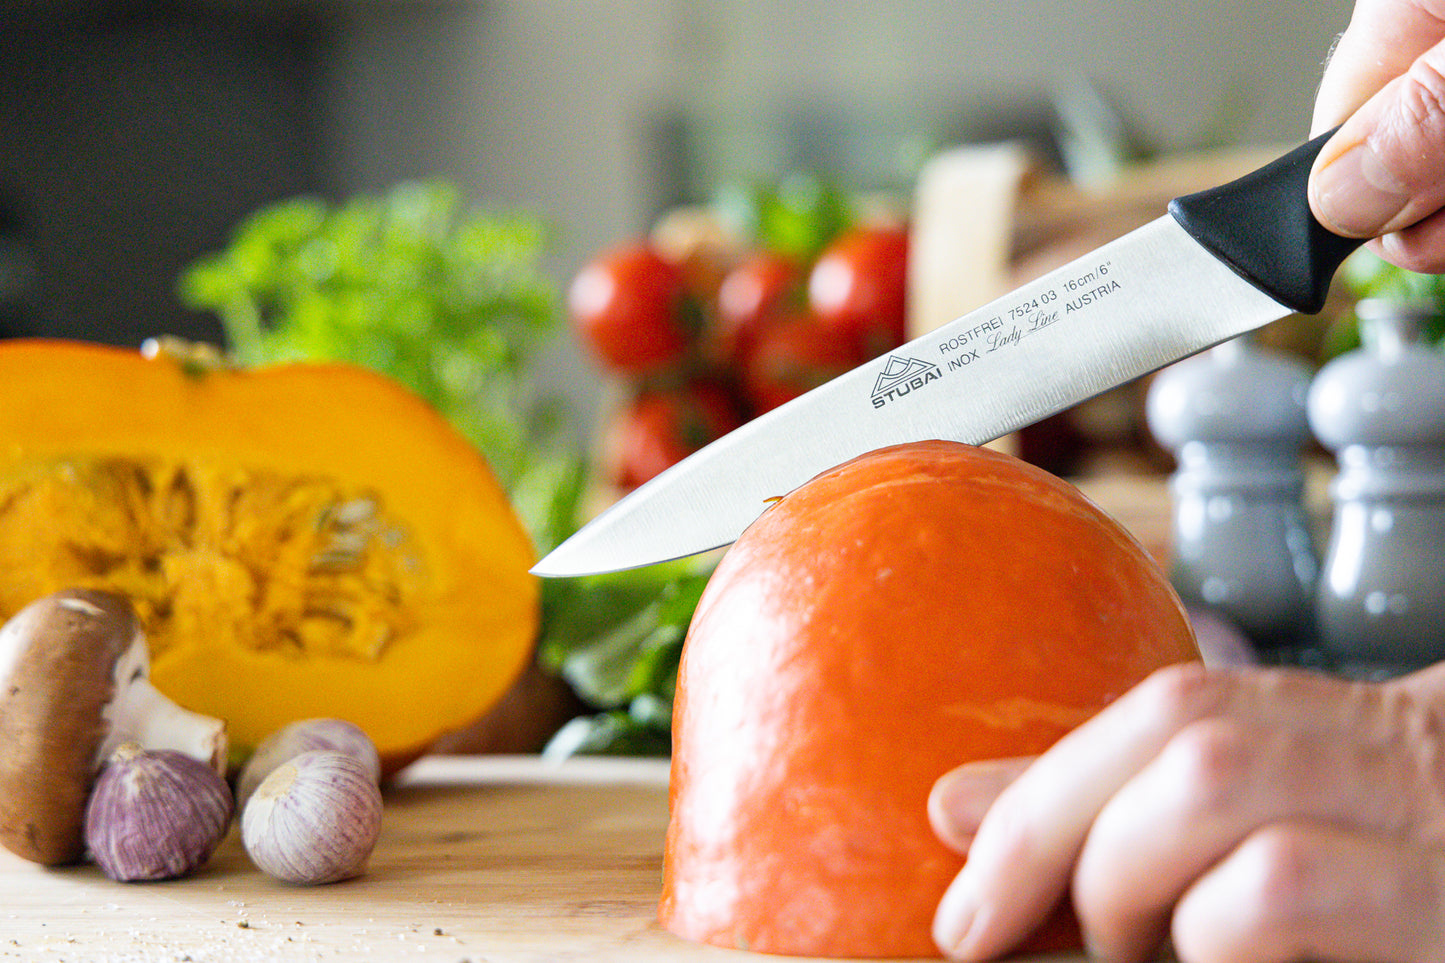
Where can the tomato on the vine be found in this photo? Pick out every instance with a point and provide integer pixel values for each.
(793, 356)
(661, 426)
(859, 287)
(632, 308)
(762, 287)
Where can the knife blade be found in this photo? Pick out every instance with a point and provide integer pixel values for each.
(1218, 264)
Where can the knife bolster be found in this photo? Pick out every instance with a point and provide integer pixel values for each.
(1262, 227)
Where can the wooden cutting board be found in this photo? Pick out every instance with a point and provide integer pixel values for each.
(481, 859)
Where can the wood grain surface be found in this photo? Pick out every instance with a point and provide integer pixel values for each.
(481, 859)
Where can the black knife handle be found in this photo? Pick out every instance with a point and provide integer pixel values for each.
(1262, 227)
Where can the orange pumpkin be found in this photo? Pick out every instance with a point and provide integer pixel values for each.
(913, 609)
(299, 541)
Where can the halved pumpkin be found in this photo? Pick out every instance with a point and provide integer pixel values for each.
(301, 540)
(916, 608)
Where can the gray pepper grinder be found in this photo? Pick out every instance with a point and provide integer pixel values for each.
(1235, 419)
(1381, 410)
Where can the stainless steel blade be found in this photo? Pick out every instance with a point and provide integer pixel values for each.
(1139, 303)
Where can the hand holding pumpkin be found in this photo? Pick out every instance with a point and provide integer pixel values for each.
(1251, 814)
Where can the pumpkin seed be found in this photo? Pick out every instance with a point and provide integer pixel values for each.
(277, 562)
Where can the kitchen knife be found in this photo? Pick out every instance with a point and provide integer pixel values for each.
(1219, 264)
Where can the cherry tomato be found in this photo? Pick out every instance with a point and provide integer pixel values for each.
(630, 306)
(793, 356)
(664, 425)
(762, 287)
(859, 286)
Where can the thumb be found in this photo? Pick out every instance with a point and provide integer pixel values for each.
(1384, 169)
(960, 797)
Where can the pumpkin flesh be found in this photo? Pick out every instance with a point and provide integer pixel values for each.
(912, 610)
(299, 541)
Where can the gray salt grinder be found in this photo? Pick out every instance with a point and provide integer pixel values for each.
(1234, 417)
(1381, 410)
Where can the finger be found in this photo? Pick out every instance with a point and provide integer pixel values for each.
(1419, 247)
(1026, 843)
(1383, 38)
(1381, 172)
(960, 798)
(1215, 784)
(1304, 891)
(1023, 853)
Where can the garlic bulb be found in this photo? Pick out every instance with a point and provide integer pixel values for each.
(155, 814)
(314, 819)
(303, 736)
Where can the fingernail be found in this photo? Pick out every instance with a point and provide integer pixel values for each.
(953, 919)
(957, 805)
(1356, 195)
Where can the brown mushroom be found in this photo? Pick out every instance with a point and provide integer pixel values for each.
(73, 686)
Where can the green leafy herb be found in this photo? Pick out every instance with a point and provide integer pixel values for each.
(647, 612)
(1367, 275)
(630, 668)
(795, 216)
(644, 728)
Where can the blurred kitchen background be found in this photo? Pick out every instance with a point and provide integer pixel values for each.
(134, 136)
